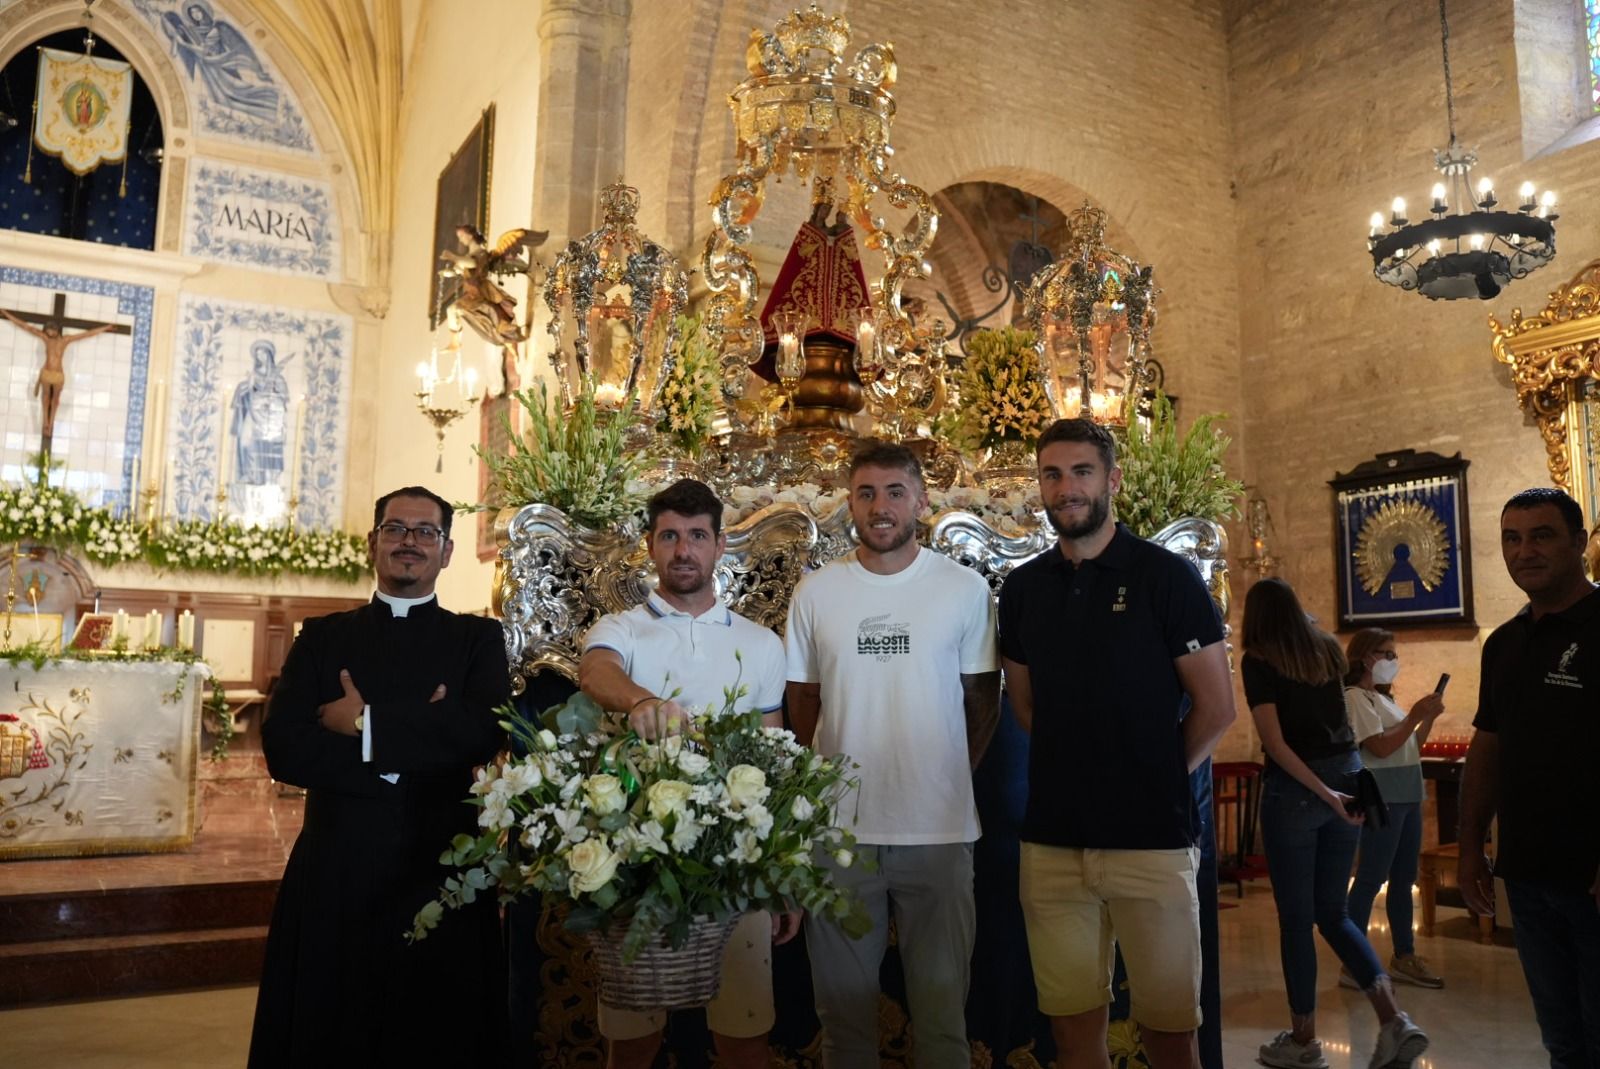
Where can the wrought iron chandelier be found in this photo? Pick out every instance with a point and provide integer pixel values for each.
(1466, 247)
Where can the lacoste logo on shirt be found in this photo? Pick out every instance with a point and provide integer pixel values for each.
(878, 638)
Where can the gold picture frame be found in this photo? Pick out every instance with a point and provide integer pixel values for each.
(461, 197)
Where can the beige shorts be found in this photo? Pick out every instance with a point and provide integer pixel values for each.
(743, 1006)
(1076, 902)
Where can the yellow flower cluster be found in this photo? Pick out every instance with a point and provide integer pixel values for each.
(1002, 389)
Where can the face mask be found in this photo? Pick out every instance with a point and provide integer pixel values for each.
(1384, 672)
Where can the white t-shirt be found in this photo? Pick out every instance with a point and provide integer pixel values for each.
(666, 651)
(889, 652)
(1400, 774)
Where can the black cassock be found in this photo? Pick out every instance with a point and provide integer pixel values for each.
(340, 984)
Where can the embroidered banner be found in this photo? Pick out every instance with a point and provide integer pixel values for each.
(81, 109)
(98, 757)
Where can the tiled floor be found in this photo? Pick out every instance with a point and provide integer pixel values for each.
(1481, 1020)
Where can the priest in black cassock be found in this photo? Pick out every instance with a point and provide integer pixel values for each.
(382, 713)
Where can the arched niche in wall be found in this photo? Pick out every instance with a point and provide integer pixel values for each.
(113, 202)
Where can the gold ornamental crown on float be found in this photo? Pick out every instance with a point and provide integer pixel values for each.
(801, 112)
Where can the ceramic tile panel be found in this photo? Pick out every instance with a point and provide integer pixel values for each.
(238, 93)
(100, 420)
(260, 407)
(262, 220)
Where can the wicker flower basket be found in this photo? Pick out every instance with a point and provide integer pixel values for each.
(662, 978)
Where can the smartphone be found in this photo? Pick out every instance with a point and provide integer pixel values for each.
(1444, 681)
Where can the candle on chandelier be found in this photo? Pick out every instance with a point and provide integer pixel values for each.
(186, 630)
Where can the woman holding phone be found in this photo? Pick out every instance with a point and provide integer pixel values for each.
(1391, 746)
(1294, 684)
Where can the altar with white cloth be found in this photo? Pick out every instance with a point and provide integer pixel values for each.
(98, 756)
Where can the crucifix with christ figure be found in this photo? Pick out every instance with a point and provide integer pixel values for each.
(52, 331)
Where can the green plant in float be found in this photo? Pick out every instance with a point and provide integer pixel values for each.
(1002, 391)
(576, 463)
(1165, 476)
(689, 394)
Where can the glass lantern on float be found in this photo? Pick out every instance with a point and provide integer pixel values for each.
(620, 295)
(1094, 310)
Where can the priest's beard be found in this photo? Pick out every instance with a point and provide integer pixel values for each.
(1099, 511)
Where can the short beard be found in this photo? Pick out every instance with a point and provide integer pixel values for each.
(1099, 512)
(906, 534)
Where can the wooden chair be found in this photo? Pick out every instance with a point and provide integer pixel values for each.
(1432, 866)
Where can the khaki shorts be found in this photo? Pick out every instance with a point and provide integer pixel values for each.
(743, 1006)
(1076, 902)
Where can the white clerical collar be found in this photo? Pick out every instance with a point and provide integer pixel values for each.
(399, 607)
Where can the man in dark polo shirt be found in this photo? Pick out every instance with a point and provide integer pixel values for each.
(1532, 763)
(1106, 641)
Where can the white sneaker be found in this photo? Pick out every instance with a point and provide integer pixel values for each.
(1284, 1053)
(1400, 1044)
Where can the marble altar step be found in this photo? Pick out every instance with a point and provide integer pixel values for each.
(95, 943)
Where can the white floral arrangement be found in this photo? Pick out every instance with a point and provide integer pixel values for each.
(55, 516)
(730, 817)
(688, 398)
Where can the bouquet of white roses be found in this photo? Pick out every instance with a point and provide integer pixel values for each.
(726, 819)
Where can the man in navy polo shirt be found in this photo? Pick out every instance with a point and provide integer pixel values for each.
(1114, 662)
(1532, 763)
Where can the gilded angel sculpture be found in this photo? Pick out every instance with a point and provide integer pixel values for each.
(477, 297)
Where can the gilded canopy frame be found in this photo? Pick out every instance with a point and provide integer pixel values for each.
(1554, 357)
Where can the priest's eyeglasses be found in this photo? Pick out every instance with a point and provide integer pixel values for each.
(395, 534)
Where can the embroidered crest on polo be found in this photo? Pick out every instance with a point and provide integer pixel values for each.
(880, 638)
(1560, 677)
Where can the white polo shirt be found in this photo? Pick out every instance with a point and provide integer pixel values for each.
(670, 652)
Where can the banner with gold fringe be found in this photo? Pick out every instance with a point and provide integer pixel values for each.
(80, 109)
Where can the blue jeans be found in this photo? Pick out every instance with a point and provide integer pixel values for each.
(1389, 853)
(1309, 854)
(1558, 939)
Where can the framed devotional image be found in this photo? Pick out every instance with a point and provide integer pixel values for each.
(462, 198)
(1403, 544)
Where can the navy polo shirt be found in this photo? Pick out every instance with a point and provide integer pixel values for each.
(1106, 768)
(1539, 693)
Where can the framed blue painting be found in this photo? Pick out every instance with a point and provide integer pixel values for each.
(1403, 541)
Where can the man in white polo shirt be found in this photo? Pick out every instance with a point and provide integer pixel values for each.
(892, 661)
(657, 661)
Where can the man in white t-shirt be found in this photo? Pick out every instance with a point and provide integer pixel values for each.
(892, 661)
(658, 661)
